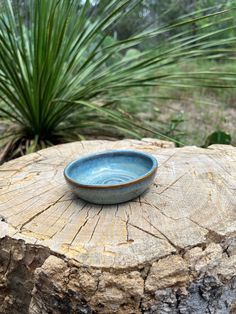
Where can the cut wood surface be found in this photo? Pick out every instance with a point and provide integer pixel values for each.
(190, 205)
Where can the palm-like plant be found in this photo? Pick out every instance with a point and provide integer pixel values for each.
(59, 77)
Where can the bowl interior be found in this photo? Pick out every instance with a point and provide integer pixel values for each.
(110, 168)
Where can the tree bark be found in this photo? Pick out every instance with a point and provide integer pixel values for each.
(172, 250)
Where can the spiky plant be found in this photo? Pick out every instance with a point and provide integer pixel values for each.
(59, 77)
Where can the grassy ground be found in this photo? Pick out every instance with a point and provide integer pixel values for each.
(201, 117)
(201, 110)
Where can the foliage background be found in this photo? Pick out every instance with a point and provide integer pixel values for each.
(131, 68)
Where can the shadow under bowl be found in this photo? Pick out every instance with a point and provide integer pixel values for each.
(111, 177)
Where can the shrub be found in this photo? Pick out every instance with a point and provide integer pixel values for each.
(60, 76)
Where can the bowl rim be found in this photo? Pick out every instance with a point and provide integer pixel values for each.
(118, 185)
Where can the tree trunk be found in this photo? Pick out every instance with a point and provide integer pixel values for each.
(172, 250)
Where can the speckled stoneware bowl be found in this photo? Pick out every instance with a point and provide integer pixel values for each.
(111, 177)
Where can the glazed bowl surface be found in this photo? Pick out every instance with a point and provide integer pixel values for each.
(111, 177)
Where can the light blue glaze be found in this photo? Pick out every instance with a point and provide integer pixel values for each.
(111, 177)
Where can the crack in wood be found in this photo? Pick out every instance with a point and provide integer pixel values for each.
(80, 228)
(215, 236)
(166, 161)
(31, 184)
(167, 239)
(70, 220)
(139, 199)
(116, 211)
(84, 224)
(197, 224)
(23, 210)
(130, 208)
(137, 227)
(58, 220)
(144, 230)
(98, 213)
(38, 214)
(171, 184)
(68, 199)
(25, 201)
(95, 227)
(127, 226)
(161, 211)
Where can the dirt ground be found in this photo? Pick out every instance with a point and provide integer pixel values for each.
(200, 119)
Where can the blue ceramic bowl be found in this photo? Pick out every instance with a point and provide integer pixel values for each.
(111, 177)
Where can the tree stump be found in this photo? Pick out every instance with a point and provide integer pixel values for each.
(172, 250)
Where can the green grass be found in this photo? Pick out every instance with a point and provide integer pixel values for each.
(221, 95)
(196, 112)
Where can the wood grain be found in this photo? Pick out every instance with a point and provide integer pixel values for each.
(192, 199)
